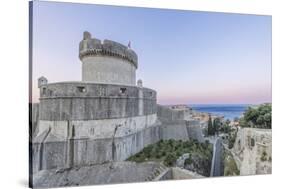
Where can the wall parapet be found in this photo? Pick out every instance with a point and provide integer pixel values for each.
(90, 101)
(95, 47)
(93, 90)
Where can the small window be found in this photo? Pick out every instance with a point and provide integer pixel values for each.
(252, 142)
(81, 89)
(44, 91)
(239, 145)
(123, 90)
(92, 131)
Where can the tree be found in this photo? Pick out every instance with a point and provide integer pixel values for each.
(232, 138)
(257, 117)
(224, 127)
(210, 126)
(216, 125)
(227, 121)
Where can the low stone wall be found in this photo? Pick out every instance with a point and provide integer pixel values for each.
(108, 173)
(166, 175)
(179, 174)
(176, 173)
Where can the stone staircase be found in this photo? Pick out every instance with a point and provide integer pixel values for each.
(156, 172)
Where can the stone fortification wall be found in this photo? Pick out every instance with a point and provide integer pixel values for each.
(195, 131)
(70, 143)
(107, 62)
(253, 151)
(97, 129)
(175, 130)
(166, 113)
(50, 151)
(34, 118)
(84, 123)
(178, 125)
(90, 101)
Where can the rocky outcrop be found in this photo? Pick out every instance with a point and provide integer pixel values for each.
(199, 164)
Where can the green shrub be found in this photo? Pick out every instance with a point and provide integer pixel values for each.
(188, 161)
(170, 159)
(169, 151)
(264, 156)
(257, 117)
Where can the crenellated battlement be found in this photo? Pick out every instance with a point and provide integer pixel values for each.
(94, 47)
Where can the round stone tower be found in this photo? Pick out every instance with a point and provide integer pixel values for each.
(107, 62)
(106, 117)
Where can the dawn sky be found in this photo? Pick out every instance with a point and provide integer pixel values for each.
(187, 57)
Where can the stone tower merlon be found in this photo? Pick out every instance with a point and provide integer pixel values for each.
(42, 81)
(107, 61)
(139, 83)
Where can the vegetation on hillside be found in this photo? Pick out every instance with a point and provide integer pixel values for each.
(231, 132)
(168, 151)
(230, 167)
(257, 117)
(231, 138)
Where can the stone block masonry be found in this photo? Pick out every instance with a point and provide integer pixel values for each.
(90, 142)
(252, 151)
(107, 62)
(91, 101)
(103, 118)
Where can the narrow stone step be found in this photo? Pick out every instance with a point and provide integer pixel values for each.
(157, 171)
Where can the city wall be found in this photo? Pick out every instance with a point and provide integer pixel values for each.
(90, 101)
(71, 143)
(252, 151)
(178, 124)
(51, 152)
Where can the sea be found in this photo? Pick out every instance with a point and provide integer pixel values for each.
(229, 111)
